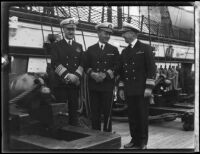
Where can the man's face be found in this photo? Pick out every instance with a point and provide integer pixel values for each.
(103, 36)
(69, 32)
(129, 36)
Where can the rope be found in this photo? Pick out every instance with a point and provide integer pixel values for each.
(43, 36)
(81, 30)
(59, 19)
(149, 26)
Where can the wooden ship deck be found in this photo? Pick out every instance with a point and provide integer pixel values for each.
(162, 135)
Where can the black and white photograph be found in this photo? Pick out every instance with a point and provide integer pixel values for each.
(104, 76)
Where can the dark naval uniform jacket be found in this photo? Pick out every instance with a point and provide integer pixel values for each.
(101, 61)
(65, 59)
(137, 69)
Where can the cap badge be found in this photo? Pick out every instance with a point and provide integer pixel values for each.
(71, 21)
(109, 26)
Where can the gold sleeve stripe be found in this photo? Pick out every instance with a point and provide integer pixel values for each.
(111, 74)
(150, 82)
(60, 69)
(89, 69)
(80, 70)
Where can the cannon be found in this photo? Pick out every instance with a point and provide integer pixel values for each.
(38, 121)
(165, 105)
(31, 97)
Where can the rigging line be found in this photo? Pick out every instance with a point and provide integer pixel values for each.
(59, 21)
(177, 16)
(81, 30)
(45, 52)
(149, 26)
(50, 20)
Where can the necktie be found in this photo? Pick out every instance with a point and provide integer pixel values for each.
(69, 42)
(101, 47)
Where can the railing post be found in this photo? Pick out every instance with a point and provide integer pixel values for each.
(142, 23)
(119, 16)
(109, 13)
(89, 14)
(102, 16)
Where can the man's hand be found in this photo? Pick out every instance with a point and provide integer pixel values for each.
(97, 77)
(121, 94)
(102, 75)
(72, 79)
(147, 92)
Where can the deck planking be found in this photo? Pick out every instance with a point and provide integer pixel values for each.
(162, 135)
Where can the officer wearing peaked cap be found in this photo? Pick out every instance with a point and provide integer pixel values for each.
(101, 66)
(137, 72)
(67, 63)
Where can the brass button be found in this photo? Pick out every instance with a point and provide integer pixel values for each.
(126, 78)
(97, 62)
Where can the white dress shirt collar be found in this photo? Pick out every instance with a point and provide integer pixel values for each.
(133, 43)
(67, 40)
(100, 44)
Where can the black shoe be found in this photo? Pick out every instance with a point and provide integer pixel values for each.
(129, 145)
(141, 147)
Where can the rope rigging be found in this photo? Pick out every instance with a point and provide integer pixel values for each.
(45, 52)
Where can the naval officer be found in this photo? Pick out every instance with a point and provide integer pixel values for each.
(137, 72)
(101, 67)
(67, 62)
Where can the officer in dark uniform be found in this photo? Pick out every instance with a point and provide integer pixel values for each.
(102, 65)
(137, 72)
(67, 61)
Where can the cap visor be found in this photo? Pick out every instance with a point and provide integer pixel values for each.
(69, 26)
(107, 30)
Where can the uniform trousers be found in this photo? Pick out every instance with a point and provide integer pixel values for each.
(101, 102)
(138, 110)
(70, 95)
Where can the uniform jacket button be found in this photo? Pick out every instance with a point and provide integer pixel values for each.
(97, 69)
(97, 62)
(133, 70)
(126, 78)
(67, 64)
